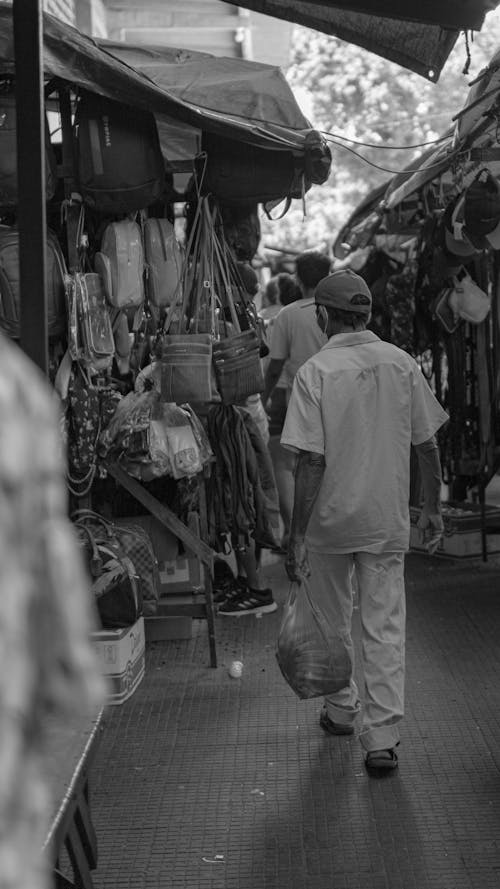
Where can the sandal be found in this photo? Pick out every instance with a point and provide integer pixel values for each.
(383, 760)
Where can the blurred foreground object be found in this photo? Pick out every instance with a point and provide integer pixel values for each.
(48, 666)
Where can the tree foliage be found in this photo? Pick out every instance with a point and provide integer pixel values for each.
(350, 93)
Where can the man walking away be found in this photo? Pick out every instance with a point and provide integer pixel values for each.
(356, 408)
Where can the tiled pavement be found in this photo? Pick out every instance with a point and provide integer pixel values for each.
(207, 782)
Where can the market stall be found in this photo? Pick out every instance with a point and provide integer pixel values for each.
(146, 218)
(186, 130)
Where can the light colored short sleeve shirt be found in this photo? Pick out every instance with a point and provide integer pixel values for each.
(362, 403)
(295, 337)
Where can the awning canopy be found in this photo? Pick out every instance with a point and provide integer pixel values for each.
(417, 34)
(430, 165)
(234, 98)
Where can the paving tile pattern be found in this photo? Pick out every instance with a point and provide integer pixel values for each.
(207, 782)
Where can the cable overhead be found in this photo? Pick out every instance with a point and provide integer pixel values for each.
(387, 169)
(389, 147)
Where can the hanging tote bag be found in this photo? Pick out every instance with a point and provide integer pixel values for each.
(186, 355)
(236, 357)
(313, 661)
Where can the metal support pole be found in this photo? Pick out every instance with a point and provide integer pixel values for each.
(28, 47)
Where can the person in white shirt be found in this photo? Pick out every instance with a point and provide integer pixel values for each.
(356, 409)
(295, 336)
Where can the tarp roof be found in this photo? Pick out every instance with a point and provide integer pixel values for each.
(419, 172)
(249, 94)
(231, 97)
(417, 34)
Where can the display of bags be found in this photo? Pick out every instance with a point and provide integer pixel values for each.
(10, 297)
(90, 340)
(113, 576)
(312, 662)
(8, 154)
(120, 164)
(163, 261)
(137, 545)
(120, 263)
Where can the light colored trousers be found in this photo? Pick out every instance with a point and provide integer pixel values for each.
(382, 610)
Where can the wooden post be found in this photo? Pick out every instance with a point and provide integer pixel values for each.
(30, 111)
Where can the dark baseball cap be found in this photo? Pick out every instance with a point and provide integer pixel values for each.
(345, 290)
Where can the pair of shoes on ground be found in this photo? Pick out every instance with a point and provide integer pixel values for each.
(244, 600)
(227, 588)
(375, 760)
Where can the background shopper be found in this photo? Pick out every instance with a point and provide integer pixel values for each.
(295, 336)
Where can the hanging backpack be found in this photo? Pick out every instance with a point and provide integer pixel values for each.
(119, 159)
(120, 263)
(8, 154)
(10, 295)
(235, 172)
(241, 229)
(163, 261)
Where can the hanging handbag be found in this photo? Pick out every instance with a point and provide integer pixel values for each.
(237, 367)
(185, 368)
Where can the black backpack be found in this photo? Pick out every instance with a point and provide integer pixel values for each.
(10, 297)
(119, 159)
(235, 172)
(8, 154)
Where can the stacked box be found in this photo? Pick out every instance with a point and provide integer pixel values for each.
(181, 575)
(462, 530)
(121, 655)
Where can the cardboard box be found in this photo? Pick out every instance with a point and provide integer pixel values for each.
(181, 575)
(121, 655)
(160, 627)
(462, 531)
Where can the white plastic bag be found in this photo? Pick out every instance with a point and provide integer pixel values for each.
(313, 660)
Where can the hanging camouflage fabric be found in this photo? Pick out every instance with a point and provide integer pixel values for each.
(83, 426)
(400, 300)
